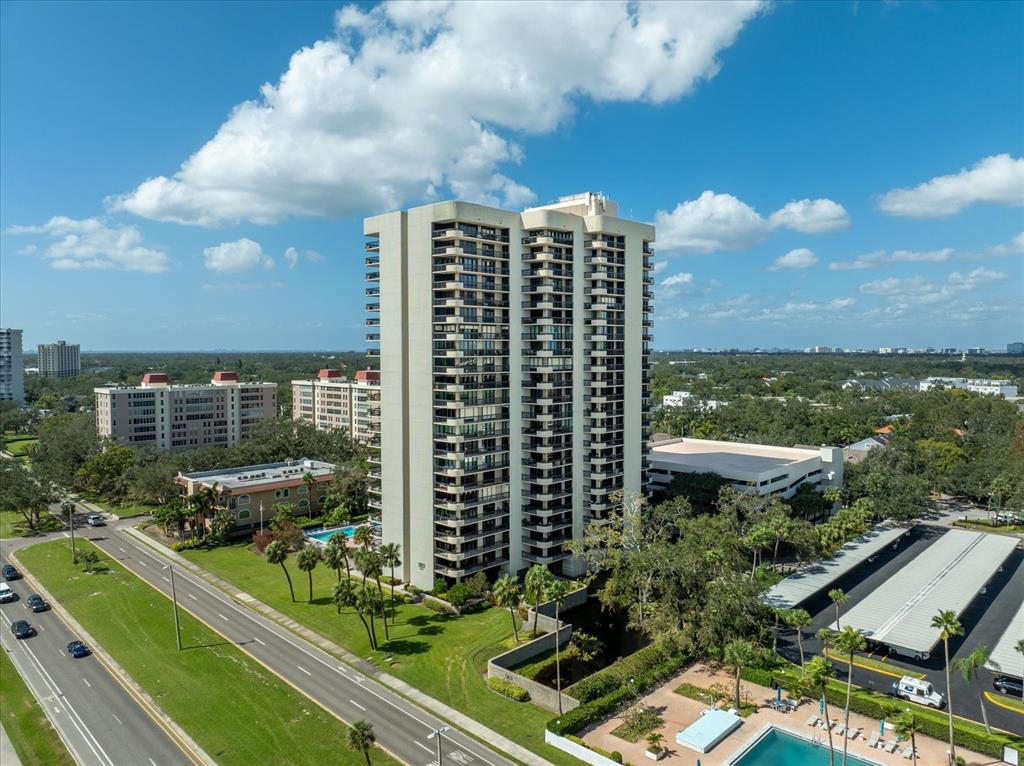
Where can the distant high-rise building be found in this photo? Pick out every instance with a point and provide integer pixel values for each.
(1015, 348)
(179, 417)
(59, 360)
(331, 401)
(514, 379)
(12, 366)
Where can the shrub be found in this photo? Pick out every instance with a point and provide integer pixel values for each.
(459, 594)
(437, 606)
(412, 590)
(508, 689)
(188, 545)
(637, 723)
(260, 540)
(478, 584)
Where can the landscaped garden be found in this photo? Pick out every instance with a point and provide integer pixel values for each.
(19, 445)
(212, 690)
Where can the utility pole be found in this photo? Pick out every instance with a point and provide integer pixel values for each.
(69, 507)
(436, 734)
(174, 599)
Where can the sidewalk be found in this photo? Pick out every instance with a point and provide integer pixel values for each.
(464, 722)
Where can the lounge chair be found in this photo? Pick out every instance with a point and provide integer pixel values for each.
(812, 721)
(853, 733)
(890, 747)
(875, 739)
(908, 753)
(839, 731)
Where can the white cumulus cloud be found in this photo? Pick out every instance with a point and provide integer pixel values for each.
(678, 284)
(880, 258)
(92, 243)
(801, 258)
(812, 216)
(996, 179)
(917, 290)
(411, 101)
(1015, 245)
(232, 257)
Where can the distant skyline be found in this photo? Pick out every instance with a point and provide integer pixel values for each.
(194, 175)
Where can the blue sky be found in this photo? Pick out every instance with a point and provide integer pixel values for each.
(193, 176)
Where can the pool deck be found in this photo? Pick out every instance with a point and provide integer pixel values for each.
(679, 712)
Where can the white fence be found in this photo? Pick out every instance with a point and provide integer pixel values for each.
(577, 751)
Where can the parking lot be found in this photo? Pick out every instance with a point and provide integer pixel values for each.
(984, 621)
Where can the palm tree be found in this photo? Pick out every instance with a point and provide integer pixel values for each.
(344, 594)
(366, 605)
(369, 564)
(832, 496)
(276, 553)
(948, 625)
(838, 597)
(309, 557)
(738, 654)
(202, 503)
(815, 678)
(363, 536)
(825, 636)
(906, 727)
(1019, 647)
(556, 591)
(507, 596)
(537, 579)
(968, 667)
(799, 619)
(360, 738)
(310, 481)
(849, 642)
(391, 557)
(654, 741)
(336, 554)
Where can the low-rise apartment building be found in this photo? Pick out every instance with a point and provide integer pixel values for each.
(759, 468)
(59, 360)
(332, 401)
(976, 385)
(253, 494)
(183, 416)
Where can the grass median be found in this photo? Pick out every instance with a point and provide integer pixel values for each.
(25, 722)
(12, 524)
(443, 656)
(233, 707)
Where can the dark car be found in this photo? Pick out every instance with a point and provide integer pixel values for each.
(22, 629)
(1008, 685)
(10, 573)
(36, 603)
(78, 649)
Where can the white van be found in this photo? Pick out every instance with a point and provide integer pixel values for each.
(919, 691)
(6, 594)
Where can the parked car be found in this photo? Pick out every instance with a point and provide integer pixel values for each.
(77, 649)
(21, 629)
(1008, 685)
(36, 603)
(7, 595)
(95, 520)
(10, 573)
(919, 691)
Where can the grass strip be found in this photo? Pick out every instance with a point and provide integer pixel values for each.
(34, 739)
(12, 524)
(235, 709)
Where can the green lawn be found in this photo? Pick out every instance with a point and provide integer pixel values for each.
(231, 705)
(444, 656)
(121, 511)
(26, 724)
(18, 444)
(12, 524)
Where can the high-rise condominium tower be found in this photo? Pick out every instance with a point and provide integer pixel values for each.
(59, 360)
(514, 379)
(12, 366)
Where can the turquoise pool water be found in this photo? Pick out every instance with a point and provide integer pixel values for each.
(323, 535)
(777, 747)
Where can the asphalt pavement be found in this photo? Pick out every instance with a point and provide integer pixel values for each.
(100, 720)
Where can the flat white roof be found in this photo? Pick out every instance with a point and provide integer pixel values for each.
(946, 575)
(1008, 658)
(704, 455)
(255, 475)
(817, 576)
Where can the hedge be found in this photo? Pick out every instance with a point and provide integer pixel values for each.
(508, 689)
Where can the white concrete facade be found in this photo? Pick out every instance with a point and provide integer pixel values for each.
(59, 360)
(12, 366)
(759, 468)
(514, 379)
(987, 387)
(332, 401)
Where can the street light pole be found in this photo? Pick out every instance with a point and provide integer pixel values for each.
(69, 506)
(261, 517)
(174, 599)
(436, 733)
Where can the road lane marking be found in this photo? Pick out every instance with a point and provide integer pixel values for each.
(151, 761)
(191, 596)
(996, 701)
(358, 705)
(86, 682)
(143, 563)
(420, 744)
(223, 617)
(304, 670)
(121, 549)
(66, 535)
(117, 719)
(258, 641)
(165, 579)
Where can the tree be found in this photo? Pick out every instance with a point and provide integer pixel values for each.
(90, 558)
(507, 595)
(106, 472)
(21, 491)
(798, 619)
(360, 738)
(815, 678)
(825, 636)
(276, 553)
(368, 562)
(1000, 488)
(66, 442)
(556, 591)
(968, 667)
(309, 557)
(849, 642)
(538, 578)
(838, 597)
(738, 654)
(367, 604)
(172, 514)
(391, 557)
(948, 625)
(655, 741)
(336, 554)
(363, 536)
(221, 525)
(309, 481)
(203, 502)
(344, 594)
(906, 726)
(831, 496)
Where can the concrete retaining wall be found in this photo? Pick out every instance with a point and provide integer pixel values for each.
(585, 754)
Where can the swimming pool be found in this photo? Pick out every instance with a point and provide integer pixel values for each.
(323, 535)
(775, 747)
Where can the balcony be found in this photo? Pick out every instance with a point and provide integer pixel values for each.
(373, 337)
(549, 558)
(372, 246)
(372, 261)
(373, 307)
(455, 572)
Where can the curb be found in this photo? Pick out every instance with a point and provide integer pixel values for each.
(464, 722)
(114, 667)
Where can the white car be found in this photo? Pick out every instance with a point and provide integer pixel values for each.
(94, 520)
(919, 691)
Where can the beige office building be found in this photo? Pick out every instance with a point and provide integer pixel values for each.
(59, 360)
(180, 417)
(332, 401)
(514, 379)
